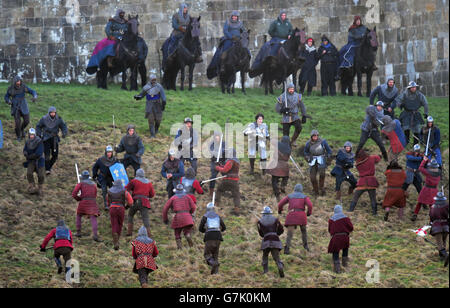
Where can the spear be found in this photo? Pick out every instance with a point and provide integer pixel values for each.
(78, 174)
(296, 166)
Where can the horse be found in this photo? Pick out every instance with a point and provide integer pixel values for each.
(188, 53)
(286, 62)
(364, 63)
(126, 57)
(237, 59)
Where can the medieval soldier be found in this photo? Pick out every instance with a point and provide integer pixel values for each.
(86, 192)
(15, 96)
(104, 178)
(345, 159)
(413, 176)
(213, 226)
(141, 190)
(367, 181)
(439, 224)
(280, 168)
(257, 133)
(34, 153)
(144, 252)
(432, 173)
(387, 93)
(410, 101)
(191, 184)
(288, 105)
(132, 144)
(186, 140)
(339, 227)
(329, 58)
(156, 103)
(369, 128)
(48, 128)
(183, 221)
(317, 151)
(395, 195)
(172, 170)
(63, 245)
(296, 217)
(231, 181)
(118, 200)
(434, 141)
(392, 129)
(214, 148)
(269, 228)
(308, 72)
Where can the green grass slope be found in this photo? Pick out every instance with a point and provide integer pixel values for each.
(405, 261)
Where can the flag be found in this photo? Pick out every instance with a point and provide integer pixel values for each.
(396, 137)
(118, 172)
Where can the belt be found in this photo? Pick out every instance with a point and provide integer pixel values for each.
(411, 169)
(270, 233)
(430, 186)
(117, 205)
(440, 220)
(394, 187)
(182, 212)
(88, 199)
(212, 229)
(341, 233)
(140, 196)
(296, 210)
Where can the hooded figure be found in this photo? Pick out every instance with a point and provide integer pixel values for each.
(269, 228)
(387, 93)
(356, 34)
(144, 252)
(278, 166)
(142, 191)
(213, 226)
(432, 172)
(48, 129)
(339, 227)
(133, 147)
(172, 169)
(102, 174)
(116, 26)
(34, 153)
(329, 58)
(308, 73)
(15, 96)
(296, 215)
(118, 200)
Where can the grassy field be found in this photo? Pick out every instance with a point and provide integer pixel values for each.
(405, 261)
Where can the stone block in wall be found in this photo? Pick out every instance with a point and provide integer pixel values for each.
(42, 69)
(60, 67)
(25, 68)
(7, 36)
(334, 24)
(21, 36)
(5, 69)
(57, 49)
(10, 4)
(255, 14)
(51, 22)
(34, 22)
(400, 69)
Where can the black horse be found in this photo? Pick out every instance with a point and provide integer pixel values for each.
(236, 60)
(286, 62)
(126, 57)
(364, 63)
(188, 53)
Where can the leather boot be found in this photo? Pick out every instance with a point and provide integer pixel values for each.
(386, 216)
(144, 285)
(344, 261)
(374, 209)
(265, 268)
(178, 240)
(97, 239)
(116, 240)
(130, 229)
(322, 185)
(338, 195)
(252, 166)
(443, 254)
(280, 269)
(446, 261)
(152, 131)
(351, 189)
(78, 234)
(414, 217)
(189, 240)
(31, 189)
(337, 266)
(352, 206)
(40, 190)
(315, 187)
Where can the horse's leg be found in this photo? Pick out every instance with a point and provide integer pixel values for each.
(369, 81)
(359, 81)
(182, 70)
(243, 81)
(294, 80)
(133, 78)
(124, 80)
(270, 86)
(143, 73)
(191, 75)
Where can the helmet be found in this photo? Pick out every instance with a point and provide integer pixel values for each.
(109, 149)
(172, 152)
(411, 84)
(380, 103)
(32, 131)
(186, 120)
(290, 85)
(51, 109)
(180, 188)
(416, 147)
(210, 206)
(433, 164)
(267, 210)
(430, 119)
(131, 126)
(152, 76)
(440, 196)
(348, 144)
(314, 132)
(140, 173)
(85, 174)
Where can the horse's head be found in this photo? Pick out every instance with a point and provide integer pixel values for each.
(133, 24)
(245, 38)
(192, 37)
(372, 37)
(194, 26)
(301, 34)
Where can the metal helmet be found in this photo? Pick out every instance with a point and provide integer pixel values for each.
(186, 120)
(179, 188)
(290, 85)
(433, 164)
(140, 173)
(267, 210)
(416, 147)
(348, 144)
(430, 119)
(440, 196)
(32, 131)
(380, 103)
(152, 77)
(210, 206)
(85, 174)
(314, 132)
(109, 148)
(411, 84)
(172, 152)
(51, 109)
(298, 188)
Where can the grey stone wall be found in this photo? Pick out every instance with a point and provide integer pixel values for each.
(51, 40)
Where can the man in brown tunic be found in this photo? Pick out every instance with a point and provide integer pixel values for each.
(231, 181)
(279, 169)
(439, 224)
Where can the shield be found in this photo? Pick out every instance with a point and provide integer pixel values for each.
(118, 172)
(1, 135)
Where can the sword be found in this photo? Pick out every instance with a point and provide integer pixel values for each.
(420, 141)
(78, 174)
(428, 141)
(206, 181)
(296, 166)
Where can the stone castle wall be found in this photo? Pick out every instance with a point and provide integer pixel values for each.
(51, 40)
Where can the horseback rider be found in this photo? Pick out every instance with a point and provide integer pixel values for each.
(411, 100)
(15, 96)
(232, 30)
(280, 30)
(180, 21)
(155, 105)
(115, 29)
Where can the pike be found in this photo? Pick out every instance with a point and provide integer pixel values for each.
(296, 166)
(78, 174)
(206, 181)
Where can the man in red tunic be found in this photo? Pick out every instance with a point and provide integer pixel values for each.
(367, 180)
(296, 216)
(87, 190)
(118, 200)
(191, 185)
(395, 195)
(339, 227)
(439, 224)
(141, 190)
(184, 209)
(63, 244)
(432, 174)
(144, 251)
(231, 181)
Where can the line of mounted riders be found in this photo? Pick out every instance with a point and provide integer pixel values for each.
(288, 51)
